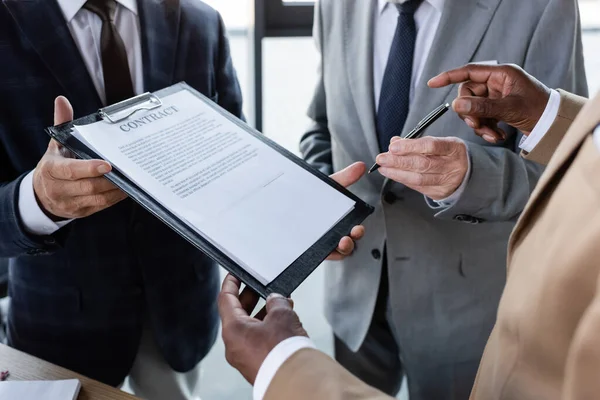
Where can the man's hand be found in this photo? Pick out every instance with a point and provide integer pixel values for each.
(66, 188)
(433, 166)
(490, 94)
(249, 340)
(347, 177)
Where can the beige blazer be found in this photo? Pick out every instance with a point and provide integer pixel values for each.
(546, 341)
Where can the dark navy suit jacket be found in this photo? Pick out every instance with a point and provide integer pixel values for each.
(81, 297)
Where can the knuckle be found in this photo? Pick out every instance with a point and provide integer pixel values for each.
(420, 163)
(65, 171)
(74, 208)
(45, 164)
(479, 107)
(420, 180)
(280, 313)
(430, 145)
(86, 187)
(78, 208)
(403, 163)
(487, 107)
(101, 201)
(463, 89)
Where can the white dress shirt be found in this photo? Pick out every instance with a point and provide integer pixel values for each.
(86, 27)
(427, 20)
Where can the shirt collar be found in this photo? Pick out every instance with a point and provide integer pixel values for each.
(437, 4)
(70, 8)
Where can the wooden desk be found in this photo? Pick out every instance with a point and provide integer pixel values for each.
(24, 367)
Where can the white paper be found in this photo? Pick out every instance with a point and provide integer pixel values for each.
(257, 206)
(40, 390)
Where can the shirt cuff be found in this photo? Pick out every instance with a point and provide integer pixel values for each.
(275, 359)
(36, 222)
(454, 197)
(528, 143)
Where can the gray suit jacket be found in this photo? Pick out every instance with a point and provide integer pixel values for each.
(446, 266)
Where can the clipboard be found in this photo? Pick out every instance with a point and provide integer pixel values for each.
(294, 274)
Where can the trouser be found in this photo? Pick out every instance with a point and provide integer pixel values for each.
(378, 362)
(151, 377)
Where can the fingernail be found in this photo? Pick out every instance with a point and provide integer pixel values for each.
(462, 106)
(395, 147)
(103, 169)
(275, 296)
(470, 123)
(490, 138)
(382, 159)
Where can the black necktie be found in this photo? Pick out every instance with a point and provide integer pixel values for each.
(395, 88)
(117, 76)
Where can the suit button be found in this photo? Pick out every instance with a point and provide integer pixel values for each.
(389, 198)
(467, 219)
(376, 254)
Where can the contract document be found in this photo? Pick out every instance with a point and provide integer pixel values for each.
(256, 205)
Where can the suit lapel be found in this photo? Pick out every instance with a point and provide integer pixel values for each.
(584, 124)
(44, 27)
(358, 46)
(159, 21)
(454, 45)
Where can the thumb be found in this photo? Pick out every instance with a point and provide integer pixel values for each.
(350, 175)
(63, 111)
(277, 301)
(483, 107)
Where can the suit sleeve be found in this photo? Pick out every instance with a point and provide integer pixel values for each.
(501, 180)
(310, 374)
(228, 88)
(315, 144)
(583, 360)
(14, 239)
(570, 105)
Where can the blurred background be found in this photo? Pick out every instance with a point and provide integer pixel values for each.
(271, 43)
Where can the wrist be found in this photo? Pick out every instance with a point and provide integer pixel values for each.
(537, 112)
(544, 123)
(40, 203)
(275, 360)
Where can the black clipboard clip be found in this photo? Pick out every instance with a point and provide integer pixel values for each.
(121, 111)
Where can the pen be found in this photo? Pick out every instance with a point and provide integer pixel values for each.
(421, 126)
